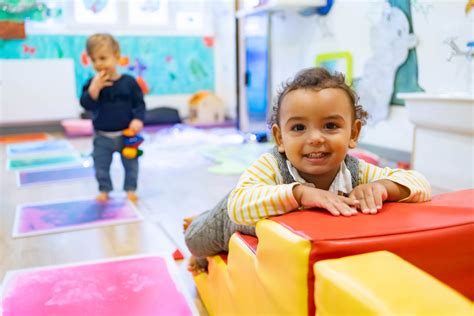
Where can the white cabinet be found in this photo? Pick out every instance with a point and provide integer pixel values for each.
(443, 146)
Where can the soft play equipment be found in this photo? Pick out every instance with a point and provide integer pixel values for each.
(274, 273)
(77, 127)
(21, 138)
(131, 142)
(162, 115)
(365, 155)
(381, 283)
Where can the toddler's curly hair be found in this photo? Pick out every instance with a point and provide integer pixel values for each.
(317, 79)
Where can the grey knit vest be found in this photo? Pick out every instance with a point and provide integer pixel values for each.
(352, 165)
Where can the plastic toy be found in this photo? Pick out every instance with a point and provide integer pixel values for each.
(131, 141)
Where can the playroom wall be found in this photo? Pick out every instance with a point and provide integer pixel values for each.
(296, 40)
(213, 19)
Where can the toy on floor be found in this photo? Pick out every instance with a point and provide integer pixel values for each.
(178, 255)
(206, 108)
(131, 141)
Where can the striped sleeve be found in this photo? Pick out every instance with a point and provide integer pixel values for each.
(260, 193)
(420, 189)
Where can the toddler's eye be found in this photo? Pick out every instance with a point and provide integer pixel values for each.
(298, 128)
(331, 125)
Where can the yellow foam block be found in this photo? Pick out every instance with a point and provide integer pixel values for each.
(381, 283)
(272, 281)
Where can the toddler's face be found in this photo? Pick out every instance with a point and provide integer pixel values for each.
(315, 131)
(104, 59)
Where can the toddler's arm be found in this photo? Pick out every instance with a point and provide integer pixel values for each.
(309, 197)
(136, 125)
(99, 82)
(385, 184)
(91, 91)
(138, 106)
(260, 193)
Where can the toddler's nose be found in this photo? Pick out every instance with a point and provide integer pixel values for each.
(316, 137)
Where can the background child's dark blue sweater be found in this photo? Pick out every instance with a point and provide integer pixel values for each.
(116, 106)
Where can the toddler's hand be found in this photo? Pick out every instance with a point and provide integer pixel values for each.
(311, 197)
(136, 125)
(100, 81)
(370, 196)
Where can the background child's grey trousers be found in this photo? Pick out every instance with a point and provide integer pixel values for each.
(104, 148)
(209, 233)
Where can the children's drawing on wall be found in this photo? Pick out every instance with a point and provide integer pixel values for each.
(422, 7)
(390, 40)
(337, 62)
(28, 49)
(95, 11)
(138, 68)
(33, 10)
(149, 12)
(13, 14)
(197, 70)
(161, 64)
(186, 20)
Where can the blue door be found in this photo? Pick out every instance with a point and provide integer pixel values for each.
(256, 79)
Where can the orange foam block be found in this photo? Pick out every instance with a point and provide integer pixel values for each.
(9, 139)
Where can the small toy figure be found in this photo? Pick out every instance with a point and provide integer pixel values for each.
(131, 142)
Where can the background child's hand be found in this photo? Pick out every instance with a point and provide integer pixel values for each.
(370, 196)
(136, 125)
(311, 197)
(100, 81)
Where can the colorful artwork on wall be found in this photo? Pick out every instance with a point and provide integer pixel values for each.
(406, 79)
(140, 285)
(33, 10)
(25, 178)
(337, 62)
(389, 69)
(53, 217)
(148, 12)
(95, 11)
(95, 6)
(174, 64)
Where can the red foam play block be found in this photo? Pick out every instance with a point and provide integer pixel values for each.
(436, 236)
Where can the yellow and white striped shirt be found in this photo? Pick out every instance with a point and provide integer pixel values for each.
(261, 192)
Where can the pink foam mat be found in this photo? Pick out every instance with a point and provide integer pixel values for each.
(145, 285)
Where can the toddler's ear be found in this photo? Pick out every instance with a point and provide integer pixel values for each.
(355, 132)
(276, 132)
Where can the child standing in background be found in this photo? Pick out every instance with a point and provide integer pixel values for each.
(315, 122)
(116, 102)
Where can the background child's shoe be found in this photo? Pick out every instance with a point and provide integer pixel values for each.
(102, 197)
(132, 196)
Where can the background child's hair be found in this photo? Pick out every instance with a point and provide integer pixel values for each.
(102, 39)
(317, 79)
